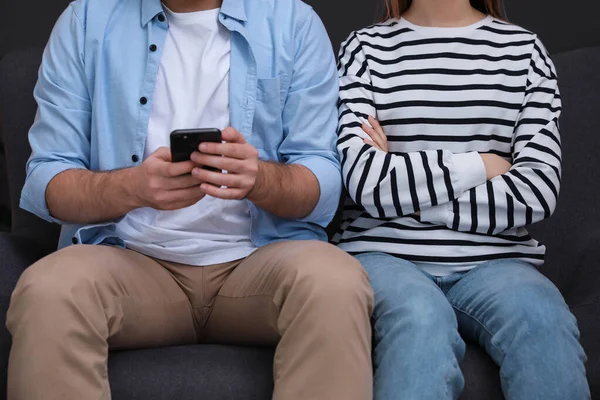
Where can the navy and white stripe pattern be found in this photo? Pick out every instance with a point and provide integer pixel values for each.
(442, 96)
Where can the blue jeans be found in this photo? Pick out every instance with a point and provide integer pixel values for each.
(506, 306)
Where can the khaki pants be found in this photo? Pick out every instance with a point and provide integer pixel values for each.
(310, 298)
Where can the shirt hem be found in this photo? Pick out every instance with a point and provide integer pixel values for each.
(196, 260)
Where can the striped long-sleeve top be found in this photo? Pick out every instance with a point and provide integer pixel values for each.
(443, 96)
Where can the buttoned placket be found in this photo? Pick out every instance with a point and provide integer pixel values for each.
(157, 30)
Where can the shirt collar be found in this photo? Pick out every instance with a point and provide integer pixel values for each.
(235, 9)
(150, 9)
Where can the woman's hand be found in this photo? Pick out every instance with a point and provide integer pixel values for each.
(375, 132)
(495, 165)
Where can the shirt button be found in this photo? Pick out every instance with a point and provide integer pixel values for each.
(161, 18)
(75, 241)
(143, 100)
(153, 48)
(135, 158)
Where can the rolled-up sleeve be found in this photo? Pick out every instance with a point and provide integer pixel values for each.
(310, 116)
(60, 135)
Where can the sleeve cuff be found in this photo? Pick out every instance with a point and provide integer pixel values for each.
(33, 196)
(469, 171)
(437, 215)
(330, 184)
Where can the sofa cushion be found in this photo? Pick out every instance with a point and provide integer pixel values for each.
(192, 373)
(239, 373)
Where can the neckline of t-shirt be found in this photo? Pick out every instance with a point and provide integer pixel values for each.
(446, 31)
(192, 17)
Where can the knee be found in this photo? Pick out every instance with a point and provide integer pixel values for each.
(49, 284)
(540, 311)
(421, 310)
(329, 277)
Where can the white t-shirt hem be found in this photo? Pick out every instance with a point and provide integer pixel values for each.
(197, 260)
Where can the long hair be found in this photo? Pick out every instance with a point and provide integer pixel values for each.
(495, 8)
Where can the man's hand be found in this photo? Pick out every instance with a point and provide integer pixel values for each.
(495, 165)
(80, 196)
(288, 191)
(164, 185)
(237, 157)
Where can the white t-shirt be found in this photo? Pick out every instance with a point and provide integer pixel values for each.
(192, 91)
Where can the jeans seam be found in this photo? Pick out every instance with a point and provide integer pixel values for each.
(489, 332)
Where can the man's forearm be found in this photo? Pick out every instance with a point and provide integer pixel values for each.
(288, 191)
(85, 197)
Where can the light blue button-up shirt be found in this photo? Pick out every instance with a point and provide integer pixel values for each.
(97, 80)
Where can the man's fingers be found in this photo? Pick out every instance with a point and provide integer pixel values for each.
(219, 162)
(230, 135)
(178, 169)
(188, 196)
(217, 179)
(231, 150)
(223, 193)
(163, 153)
(182, 182)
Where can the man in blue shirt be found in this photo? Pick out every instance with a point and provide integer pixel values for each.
(155, 252)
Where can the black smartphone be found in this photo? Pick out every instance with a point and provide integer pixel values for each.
(185, 141)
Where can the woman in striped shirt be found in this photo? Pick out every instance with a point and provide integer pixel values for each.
(450, 147)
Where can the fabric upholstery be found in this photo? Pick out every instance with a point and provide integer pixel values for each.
(238, 373)
(192, 372)
(577, 213)
(572, 235)
(18, 74)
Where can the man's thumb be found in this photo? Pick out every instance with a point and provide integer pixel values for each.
(163, 153)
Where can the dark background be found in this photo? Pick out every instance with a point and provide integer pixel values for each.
(562, 26)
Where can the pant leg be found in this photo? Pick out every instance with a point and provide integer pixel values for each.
(417, 346)
(67, 310)
(315, 301)
(521, 319)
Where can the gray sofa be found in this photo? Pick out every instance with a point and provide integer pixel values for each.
(243, 373)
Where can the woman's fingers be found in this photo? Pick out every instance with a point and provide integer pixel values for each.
(381, 137)
(377, 128)
(369, 131)
(376, 140)
(372, 143)
(375, 124)
(372, 134)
